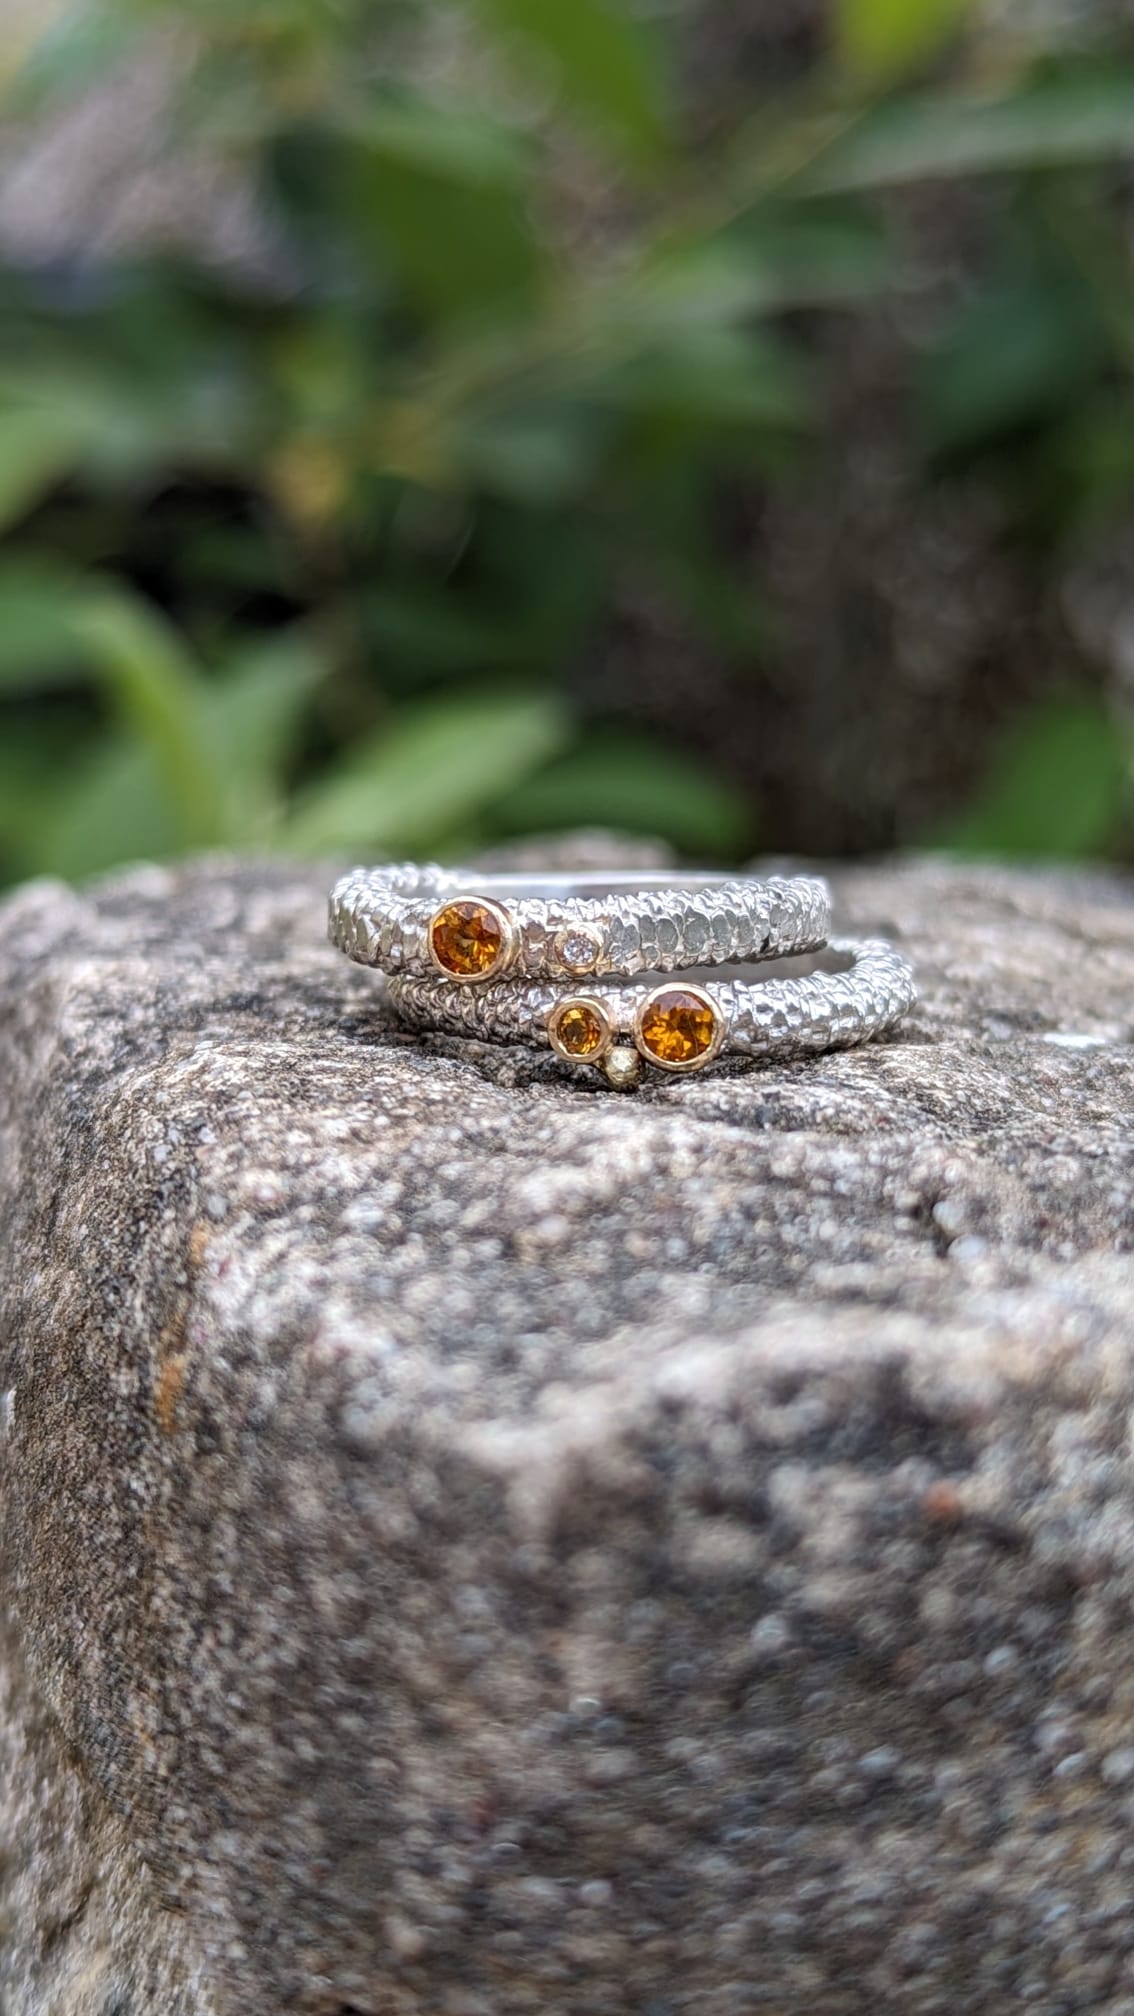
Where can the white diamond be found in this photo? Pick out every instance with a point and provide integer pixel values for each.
(578, 950)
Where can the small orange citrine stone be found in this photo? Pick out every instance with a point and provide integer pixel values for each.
(578, 1029)
(678, 1026)
(467, 939)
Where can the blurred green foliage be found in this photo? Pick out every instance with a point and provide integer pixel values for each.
(309, 556)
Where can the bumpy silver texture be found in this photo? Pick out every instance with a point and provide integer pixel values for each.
(637, 923)
(763, 1018)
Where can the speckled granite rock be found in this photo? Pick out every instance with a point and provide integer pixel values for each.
(476, 1544)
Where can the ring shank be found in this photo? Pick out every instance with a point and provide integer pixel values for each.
(572, 888)
(783, 1017)
(563, 925)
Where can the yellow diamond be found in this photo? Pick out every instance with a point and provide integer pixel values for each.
(467, 939)
(579, 1030)
(678, 1027)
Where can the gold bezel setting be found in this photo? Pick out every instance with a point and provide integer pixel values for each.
(594, 1007)
(570, 936)
(680, 1065)
(504, 924)
(861, 991)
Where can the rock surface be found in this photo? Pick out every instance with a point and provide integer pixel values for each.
(477, 1544)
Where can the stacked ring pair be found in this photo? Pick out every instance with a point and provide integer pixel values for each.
(618, 970)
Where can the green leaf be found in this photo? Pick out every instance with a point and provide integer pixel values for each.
(38, 644)
(72, 54)
(37, 447)
(75, 413)
(813, 253)
(254, 712)
(436, 766)
(115, 802)
(419, 632)
(114, 807)
(774, 256)
(1065, 121)
(538, 453)
(159, 695)
(713, 378)
(608, 65)
(36, 755)
(1056, 790)
(879, 40)
(445, 198)
(633, 784)
(1018, 353)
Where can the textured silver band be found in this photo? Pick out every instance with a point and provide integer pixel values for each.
(563, 926)
(761, 1018)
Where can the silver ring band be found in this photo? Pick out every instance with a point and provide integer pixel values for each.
(459, 924)
(734, 1016)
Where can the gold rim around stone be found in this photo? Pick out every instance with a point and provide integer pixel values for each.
(471, 940)
(578, 947)
(580, 1030)
(679, 1028)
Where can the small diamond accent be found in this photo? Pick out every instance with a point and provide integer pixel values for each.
(578, 949)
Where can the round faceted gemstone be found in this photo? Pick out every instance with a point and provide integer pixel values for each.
(468, 939)
(678, 1027)
(579, 1029)
(579, 949)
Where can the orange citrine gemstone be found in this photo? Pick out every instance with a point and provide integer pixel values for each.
(678, 1026)
(467, 939)
(578, 1029)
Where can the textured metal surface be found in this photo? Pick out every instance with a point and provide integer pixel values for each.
(381, 917)
(764, 1018)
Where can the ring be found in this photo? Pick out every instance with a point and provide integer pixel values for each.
(677, 1026)
(460, 925)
